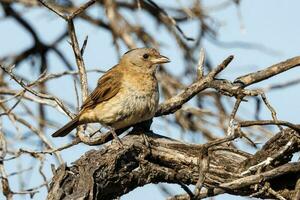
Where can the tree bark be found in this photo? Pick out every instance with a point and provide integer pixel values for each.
(113, 171)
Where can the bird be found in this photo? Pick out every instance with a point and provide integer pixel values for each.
(125, 95)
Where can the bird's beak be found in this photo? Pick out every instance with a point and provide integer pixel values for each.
(161, 59)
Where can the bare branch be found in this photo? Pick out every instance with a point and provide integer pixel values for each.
(79, 59)
(273, 70)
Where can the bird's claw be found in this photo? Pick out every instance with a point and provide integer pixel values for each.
(112, 130)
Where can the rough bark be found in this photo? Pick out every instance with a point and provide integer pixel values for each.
(113, 170)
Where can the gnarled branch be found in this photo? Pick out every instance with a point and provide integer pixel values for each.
(113, 171)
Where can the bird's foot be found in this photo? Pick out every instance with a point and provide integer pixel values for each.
(113, 132)
(117, 138)
(140, 129)
(146, 140)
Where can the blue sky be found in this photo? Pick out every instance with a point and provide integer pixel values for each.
(272, 24)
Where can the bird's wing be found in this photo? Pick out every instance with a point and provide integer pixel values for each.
(108, 86)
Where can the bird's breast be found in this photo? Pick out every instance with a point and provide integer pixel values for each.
(139, 104)
(134, 103)
(143, 102)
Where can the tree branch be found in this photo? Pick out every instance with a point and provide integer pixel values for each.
(112, 172)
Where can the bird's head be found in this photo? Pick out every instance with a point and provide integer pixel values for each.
(143, 59)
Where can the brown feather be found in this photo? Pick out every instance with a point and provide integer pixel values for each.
(125, 95)
(66, 128)
(108, 86)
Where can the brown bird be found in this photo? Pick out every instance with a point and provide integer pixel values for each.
(125, 95)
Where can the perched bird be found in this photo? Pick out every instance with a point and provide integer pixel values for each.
(125, 95)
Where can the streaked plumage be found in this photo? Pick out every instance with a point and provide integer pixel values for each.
(127, 94)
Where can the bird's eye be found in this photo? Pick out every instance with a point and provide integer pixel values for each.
(146, 56)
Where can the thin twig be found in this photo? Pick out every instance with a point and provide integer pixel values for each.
(79, 59)
(200, 66)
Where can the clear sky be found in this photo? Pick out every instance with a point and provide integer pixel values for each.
(272, 24)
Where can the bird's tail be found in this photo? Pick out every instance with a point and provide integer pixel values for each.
(67, 128)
